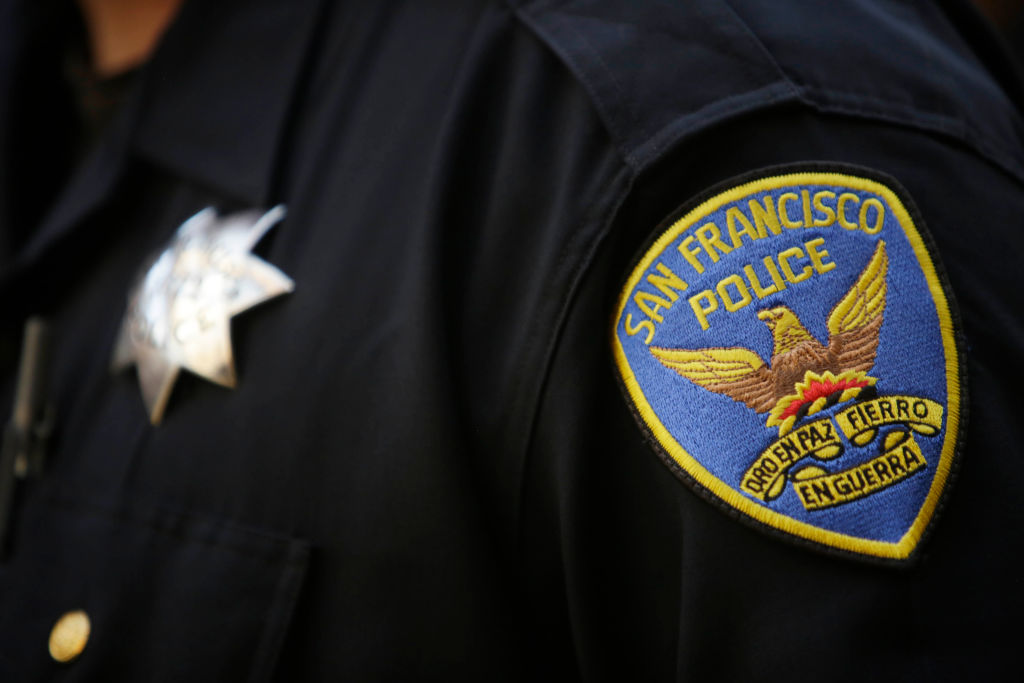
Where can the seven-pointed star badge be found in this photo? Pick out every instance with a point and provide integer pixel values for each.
(179, 311)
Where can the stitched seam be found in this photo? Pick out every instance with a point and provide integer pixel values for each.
(622, 182)
(757, 40)
(605, 112)
(714, 113)
(873, 108)
(279, 615)
(182, 527)
(967, 132)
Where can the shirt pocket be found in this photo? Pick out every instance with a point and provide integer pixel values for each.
(169, 597)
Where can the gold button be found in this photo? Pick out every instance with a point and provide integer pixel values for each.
(69, 636)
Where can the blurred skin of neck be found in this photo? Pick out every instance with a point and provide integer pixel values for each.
(124, 33)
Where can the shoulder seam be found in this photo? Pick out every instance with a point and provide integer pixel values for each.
(860, 105)
(650, 143)
(615, 109)
(604, 114)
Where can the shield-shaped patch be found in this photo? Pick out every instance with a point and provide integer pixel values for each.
(790, 344)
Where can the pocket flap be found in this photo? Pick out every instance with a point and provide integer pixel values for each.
(168, 596)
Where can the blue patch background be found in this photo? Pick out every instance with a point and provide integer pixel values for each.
(726, 436)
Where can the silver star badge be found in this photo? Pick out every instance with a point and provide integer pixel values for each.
(179, 311)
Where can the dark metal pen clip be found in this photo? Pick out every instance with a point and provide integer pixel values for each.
(23, 451)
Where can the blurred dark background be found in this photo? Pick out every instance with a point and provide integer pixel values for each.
(1008, 18)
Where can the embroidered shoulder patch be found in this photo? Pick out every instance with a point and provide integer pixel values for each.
(789, 344)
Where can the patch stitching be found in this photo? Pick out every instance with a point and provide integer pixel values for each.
(725, 496)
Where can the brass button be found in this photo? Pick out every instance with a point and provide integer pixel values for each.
(69, 636)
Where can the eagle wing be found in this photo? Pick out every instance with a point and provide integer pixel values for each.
(737, 373)
(856, 320)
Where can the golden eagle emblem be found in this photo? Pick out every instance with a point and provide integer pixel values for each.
(805, 375)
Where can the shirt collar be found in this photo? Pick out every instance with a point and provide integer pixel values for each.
(211, 106)
(217, 96)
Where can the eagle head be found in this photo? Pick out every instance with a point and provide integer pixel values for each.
(779, 318)
(787, 330)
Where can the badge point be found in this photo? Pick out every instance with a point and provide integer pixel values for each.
(179, 312)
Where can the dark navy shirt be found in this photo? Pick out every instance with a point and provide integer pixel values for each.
(428, 470)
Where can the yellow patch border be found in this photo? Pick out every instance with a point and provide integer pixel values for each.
(905, 546)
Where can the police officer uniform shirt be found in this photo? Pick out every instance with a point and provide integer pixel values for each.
(592, 340)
